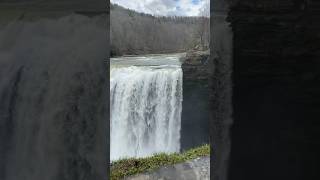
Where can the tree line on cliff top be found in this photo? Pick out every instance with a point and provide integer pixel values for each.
(138, 33)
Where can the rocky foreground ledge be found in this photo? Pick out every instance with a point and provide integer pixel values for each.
(192, 164)
(196, 169)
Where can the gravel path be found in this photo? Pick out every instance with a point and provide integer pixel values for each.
(201, 166)
(197, 169)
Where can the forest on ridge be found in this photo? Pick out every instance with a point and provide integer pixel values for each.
(133, 33)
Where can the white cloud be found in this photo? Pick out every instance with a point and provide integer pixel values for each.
(165, 7)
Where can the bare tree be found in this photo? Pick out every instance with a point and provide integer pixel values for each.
(204, 28)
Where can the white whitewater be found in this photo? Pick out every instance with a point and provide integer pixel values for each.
(146, 104)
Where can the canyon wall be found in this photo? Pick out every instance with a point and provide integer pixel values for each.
(276, 97)
(195, 105)
(220, 67)
(275, 89)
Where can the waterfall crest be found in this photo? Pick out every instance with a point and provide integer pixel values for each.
(146, 104)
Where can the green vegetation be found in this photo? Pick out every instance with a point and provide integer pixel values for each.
(131, 166)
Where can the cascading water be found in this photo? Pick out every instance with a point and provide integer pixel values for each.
(146, 104)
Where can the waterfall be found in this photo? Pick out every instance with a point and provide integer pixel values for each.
(146, 104)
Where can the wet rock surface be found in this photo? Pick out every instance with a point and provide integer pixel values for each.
(197, 169)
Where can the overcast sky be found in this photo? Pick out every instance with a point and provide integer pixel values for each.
(166, 7)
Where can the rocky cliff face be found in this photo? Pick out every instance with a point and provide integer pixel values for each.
(271, 48)
(195, 107)
(276, 95)
(220, 64)
(53, 94)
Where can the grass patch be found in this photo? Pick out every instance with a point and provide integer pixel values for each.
(127, 167)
